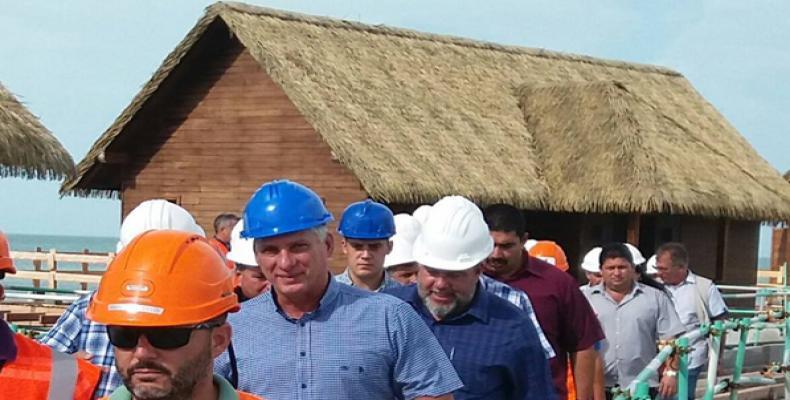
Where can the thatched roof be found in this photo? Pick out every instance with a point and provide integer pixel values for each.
(440, 115)
(27, 148)
(623, 146)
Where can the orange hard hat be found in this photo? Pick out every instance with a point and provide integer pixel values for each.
(164, 278)
(6, 263)
(550, 252)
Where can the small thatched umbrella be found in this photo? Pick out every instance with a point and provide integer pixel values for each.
(27, 148)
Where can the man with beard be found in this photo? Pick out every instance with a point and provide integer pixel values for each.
(164, 300)
(491, 343)
(366, 228)
(564, 314)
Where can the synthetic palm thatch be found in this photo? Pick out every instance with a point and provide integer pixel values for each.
(27, 148)
(416, 116)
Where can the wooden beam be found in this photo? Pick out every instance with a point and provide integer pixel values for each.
(722, 242)
(632, 234)
(113, 158)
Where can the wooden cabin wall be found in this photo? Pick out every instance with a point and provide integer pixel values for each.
(229, 128)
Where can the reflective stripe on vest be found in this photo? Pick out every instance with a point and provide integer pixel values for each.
(38, 373)
(64, 376)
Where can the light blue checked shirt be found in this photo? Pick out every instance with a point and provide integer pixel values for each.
(520, 299)
(387, 283)
(74, 332)
(356, 345)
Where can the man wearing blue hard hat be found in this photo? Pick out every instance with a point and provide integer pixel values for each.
(311, 337)
(366, 228)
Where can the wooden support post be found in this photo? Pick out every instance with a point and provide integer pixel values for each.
(721, 249)
(632, 234)
(52, 266)
(37, 268)
(85, 270)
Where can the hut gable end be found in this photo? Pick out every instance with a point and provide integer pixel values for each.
(225, 128)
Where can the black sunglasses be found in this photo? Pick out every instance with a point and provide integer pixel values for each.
(166, 338)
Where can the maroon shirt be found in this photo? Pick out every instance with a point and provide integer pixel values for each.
(567, 319)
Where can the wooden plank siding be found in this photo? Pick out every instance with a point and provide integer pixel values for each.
(215, 144)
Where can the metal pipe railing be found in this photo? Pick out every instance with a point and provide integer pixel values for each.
(759, 320)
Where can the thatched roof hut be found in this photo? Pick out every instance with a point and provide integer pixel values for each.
(27, 148)
(416, 116)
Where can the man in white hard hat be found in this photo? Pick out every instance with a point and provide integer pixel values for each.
(400, 263)
(74, 333)
(592, 267)
(491, 343)
(250, 281)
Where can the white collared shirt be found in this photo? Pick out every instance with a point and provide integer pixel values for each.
(684, 297)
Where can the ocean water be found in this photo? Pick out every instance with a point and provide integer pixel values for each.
(24, 242)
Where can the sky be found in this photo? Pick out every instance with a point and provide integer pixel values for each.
(77, 64)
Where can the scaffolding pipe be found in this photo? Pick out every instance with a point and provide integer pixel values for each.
(683, 369)
(743, 326)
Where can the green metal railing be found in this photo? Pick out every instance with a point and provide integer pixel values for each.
(756, 320)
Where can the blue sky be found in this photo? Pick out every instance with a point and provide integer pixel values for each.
(77, 64)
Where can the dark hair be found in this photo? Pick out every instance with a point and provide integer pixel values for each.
(648, 280)
(677, 253)
(504, 218)
(224, 220)
(615, 250)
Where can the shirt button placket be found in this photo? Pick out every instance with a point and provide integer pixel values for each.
(302, 360)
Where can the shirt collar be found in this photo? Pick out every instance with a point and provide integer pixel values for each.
(226, 391)
(345, 277)
(7, 344)
(526, 263)
(478, 309)
(600, 289)
(330, 294)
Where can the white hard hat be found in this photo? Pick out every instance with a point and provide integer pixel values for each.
(636, 255)
(155, 215)
(407, 228)
(455, 237)
(529, 244)
(651, 265)
(592, 260)
(421, 213)
(241, 249)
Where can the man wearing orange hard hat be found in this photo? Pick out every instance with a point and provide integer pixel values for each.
(29, 370)
(165, 299)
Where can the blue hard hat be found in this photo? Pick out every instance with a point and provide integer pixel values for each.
(282, 206)
(367, 220)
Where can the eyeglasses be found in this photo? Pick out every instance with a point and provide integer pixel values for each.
(167, 338)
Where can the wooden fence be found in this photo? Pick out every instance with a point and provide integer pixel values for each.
(45, 267)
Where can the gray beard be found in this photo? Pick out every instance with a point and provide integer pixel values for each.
(441, 312)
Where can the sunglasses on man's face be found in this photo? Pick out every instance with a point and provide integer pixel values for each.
(167, 338)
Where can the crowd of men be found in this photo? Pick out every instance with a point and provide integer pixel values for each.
(452, 302)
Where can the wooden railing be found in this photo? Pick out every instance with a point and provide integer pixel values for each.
(45, 267)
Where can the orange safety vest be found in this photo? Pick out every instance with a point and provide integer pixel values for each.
(570, 384)
(223, 251)
(39, 373)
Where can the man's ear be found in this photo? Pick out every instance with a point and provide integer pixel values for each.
(389, 246)
(329, 242)
(220, 339)
(524, 238)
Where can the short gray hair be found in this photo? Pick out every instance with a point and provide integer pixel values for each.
(319, 231)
